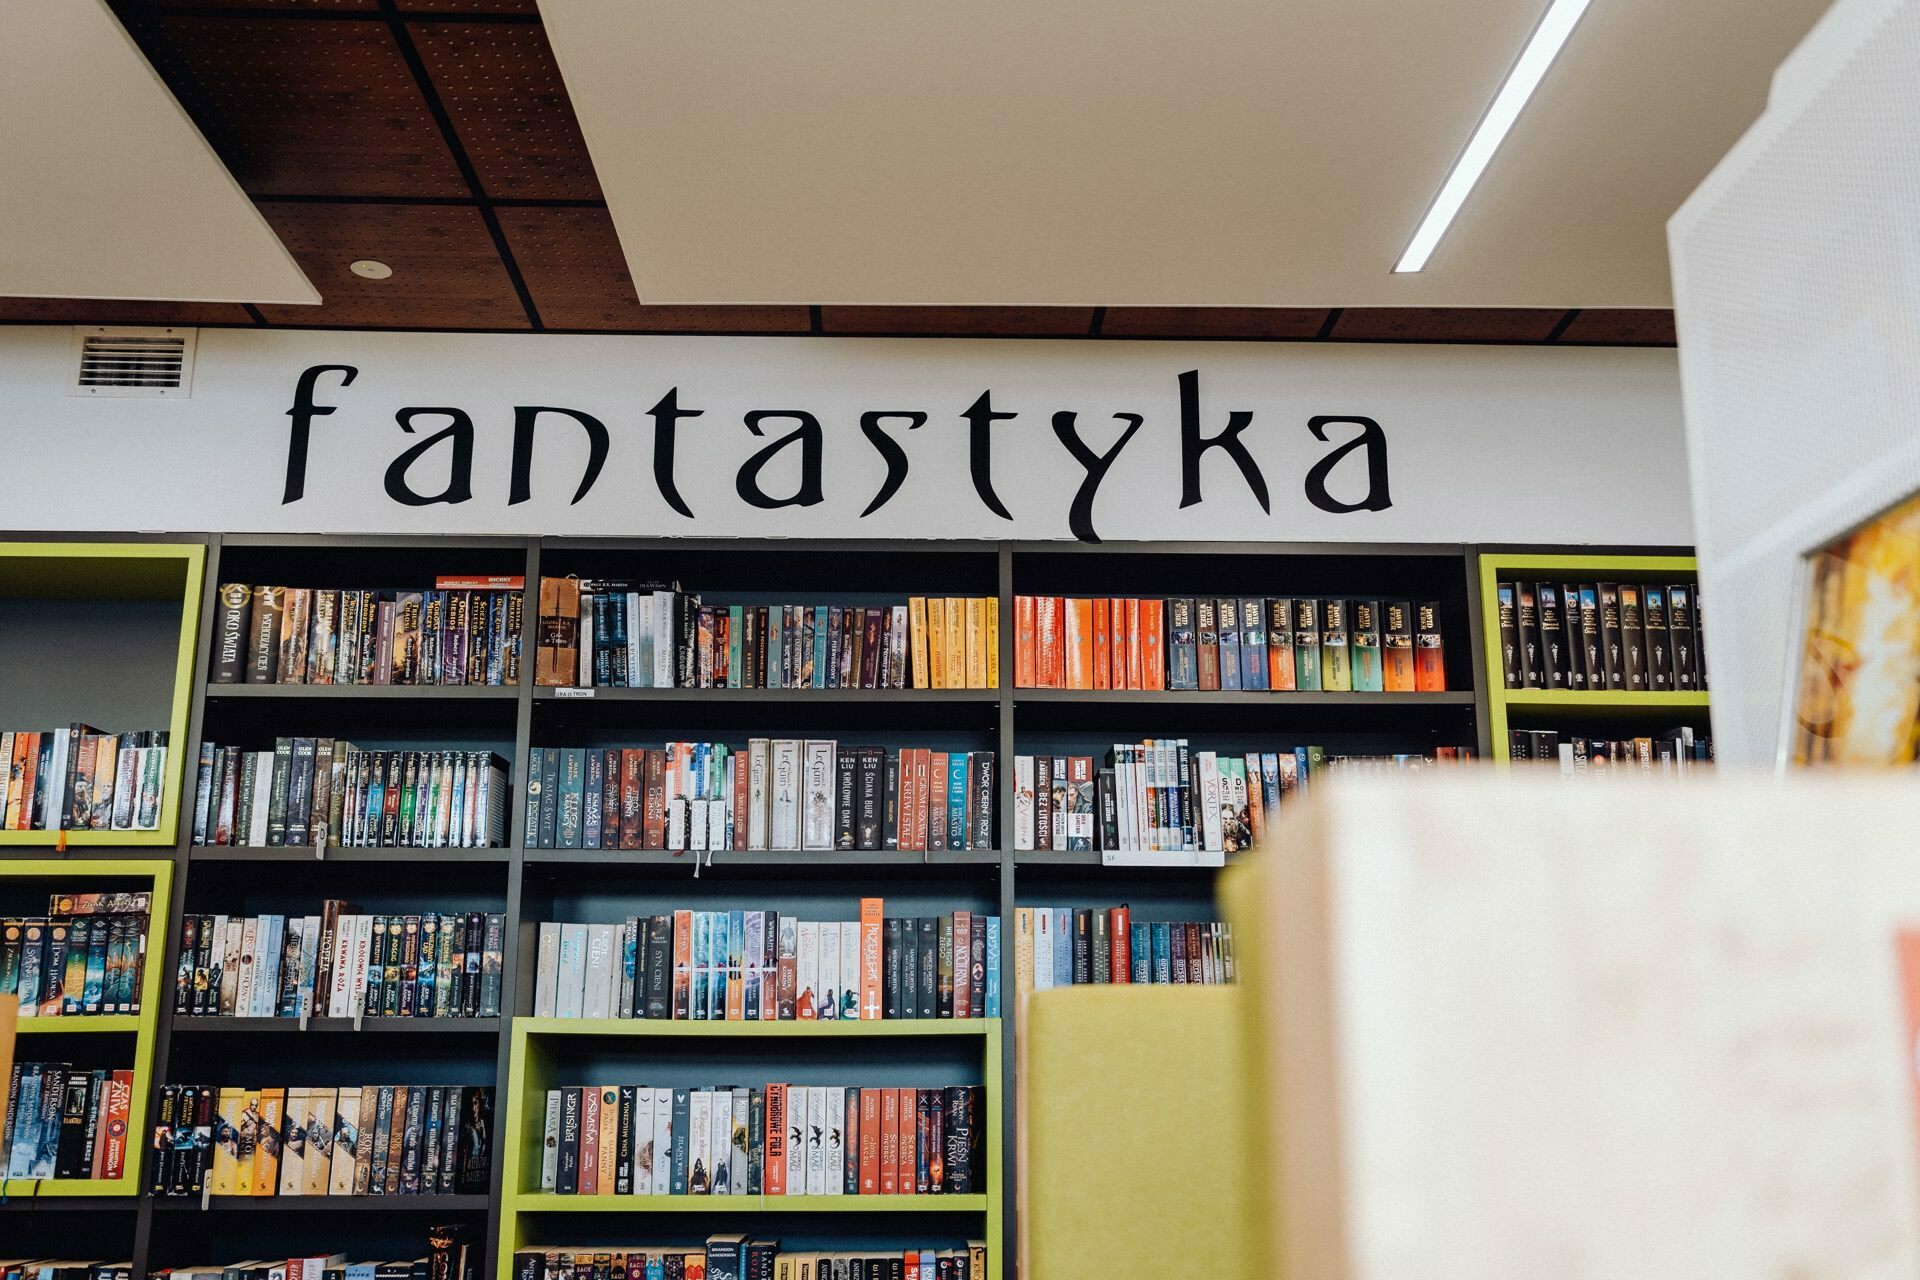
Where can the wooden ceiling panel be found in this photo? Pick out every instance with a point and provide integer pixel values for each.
(469, 6)
(503, 92)
(570, 260)
(1001, 322)
(134, 6)
(304, 107)
(1213, 322)
(109, 311)
(1445, 324)
(1625, 327)
(446, 272)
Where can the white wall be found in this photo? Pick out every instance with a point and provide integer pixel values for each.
(1797, 288)
(1492, 444)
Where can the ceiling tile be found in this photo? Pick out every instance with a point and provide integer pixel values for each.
(107, 311)
(1445, 324)
(1011, 322)
(446, 273)
(503, 92)
(304, 107)
(571, 262)
(1213, 322)
(1627, 327)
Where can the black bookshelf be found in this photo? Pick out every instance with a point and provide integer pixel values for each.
(532, 885)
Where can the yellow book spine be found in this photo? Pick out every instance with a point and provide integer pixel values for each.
(224, 1176)
(937, 642)
(609, 1133)
(956, 645)
(917, 635)
(993, 642)
(976, 643)
(266, 1147)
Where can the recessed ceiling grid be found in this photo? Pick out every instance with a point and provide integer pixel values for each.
(437, 136)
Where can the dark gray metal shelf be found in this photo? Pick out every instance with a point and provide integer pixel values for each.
(304, 853)
(368, 692)
(187, 1024)
(323, 1204)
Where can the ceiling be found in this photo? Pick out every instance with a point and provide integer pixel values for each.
(146, 211)
(439, 136)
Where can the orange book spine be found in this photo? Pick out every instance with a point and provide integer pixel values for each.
(1117, 644)
(1429, 651)
(1046, 641)
(1153, 655)
(869, 1142)
(909, 1144)
(1102, 643)
(889, 1141)
(872, 923)
(1023, 643)
(682, 961)
(1133, 645)
(1079, 644)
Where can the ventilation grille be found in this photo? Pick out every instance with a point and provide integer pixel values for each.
(132, 362)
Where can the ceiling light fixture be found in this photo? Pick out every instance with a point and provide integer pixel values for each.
(1548, 38)
(371, 270)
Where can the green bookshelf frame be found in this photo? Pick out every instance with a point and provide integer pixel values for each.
(131, 570)
(1496, 567)
(536, 1043)
(142, 1026)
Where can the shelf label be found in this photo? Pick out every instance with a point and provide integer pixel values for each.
(572, 691)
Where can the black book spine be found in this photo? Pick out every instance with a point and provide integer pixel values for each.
(890, 803)
(929, 960)
(660, 967)
(567, 1170)
(980, 782)
(1082, 946)
(958, 1174)
(1612, 657)
(867, 799)
(892, 967)
(1553, 635)
(846, 787)
(1653, 608)
(1570, 621)
(1633, 638)
(230, 634)
(1109, 801)
(1527, 624)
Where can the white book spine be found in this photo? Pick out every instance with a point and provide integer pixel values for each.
(598, 999)
(642, 1174)
(362, 952)
(347, 1140)
(817, 808)
(816, 1140)
(717, 837)
(722, 1120)
(759, 768)
(293, 1143)
(796, 1139)
(546, 980)
(849, 970)
(1210, 801)
(807, 968)
(662, 1142)
(785, 798)
(340, 960)
(827, 993)
(1023, 808)
(663, 640)
(550, 1148)
(262, 799)
(571, 984)
(249, 935)
(833, 1149)
(700, 1143)
(1042, 950)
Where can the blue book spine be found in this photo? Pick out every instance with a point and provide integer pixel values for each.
(1253, 644)
(1063, 946)
(268, 940)
(993, 966)
(1229, 644)
(820, 646)
(1162, 952)
(1140, 944)
(26, 1123)
(1300, 760)
(697, 1006)
(957, 800)
(773, 646)
(593, 800)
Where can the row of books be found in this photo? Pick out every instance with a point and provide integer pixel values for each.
(1589, 637)
(783, 1140)
(763, 966)
(66, 1123)
(86, 956)
(64, 1269)
(736, 1257)
(326, 791)
(453, 1253)
(339, 962)
(369, 1140)
(1677, 749)
(1071, 946)
(1257, 644)
(618, 634)
(780, 793)
(82, 779)
(466, 630)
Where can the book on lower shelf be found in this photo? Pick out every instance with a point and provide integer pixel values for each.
(66, 1122)
(86, 957)
(82, 779)
(1672, 750)
(1075, 946)
(1161, 797)
(320, 791)
(452, 1253)
(341, 963)
(778, 1140)
(764, 966)
(776, 794)
(739, 1257)
(464, 630)
(362, 1140)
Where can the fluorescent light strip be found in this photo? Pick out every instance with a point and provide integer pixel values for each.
(1541, 50)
